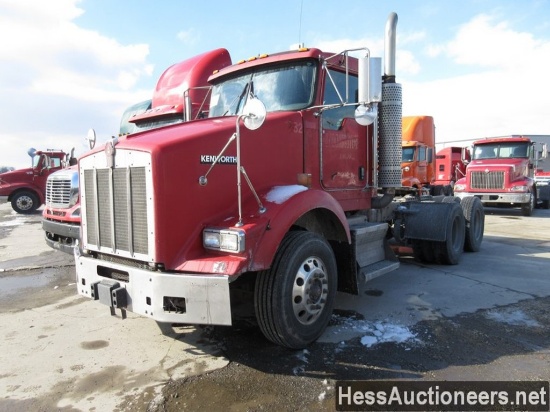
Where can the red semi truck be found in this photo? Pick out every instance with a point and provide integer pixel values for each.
(286, 186)
(61, 216)
(26, 188)
(501, 173)
(450, 166)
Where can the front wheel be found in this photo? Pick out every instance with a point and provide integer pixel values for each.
(527, 208)
(295, 297)
(24, 202)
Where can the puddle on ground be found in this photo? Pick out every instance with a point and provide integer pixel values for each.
(11, 285)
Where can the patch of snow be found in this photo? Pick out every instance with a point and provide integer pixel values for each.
(303, 355)
(298, 370)
(280, 194)
(372, 333)
(386, 332)
(11, 223)
(368, 341)
(516, 318)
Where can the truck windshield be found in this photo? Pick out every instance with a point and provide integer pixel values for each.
(501, 150)
(40, 161)
(408, 154)
(288, 87)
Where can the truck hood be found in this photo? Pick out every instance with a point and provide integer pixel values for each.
(16, 176)
(183, 153)
(517, 168)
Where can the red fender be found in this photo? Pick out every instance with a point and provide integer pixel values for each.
(284, 207)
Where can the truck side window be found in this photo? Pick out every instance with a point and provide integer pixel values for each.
(421, 154)
(408, 154)
(520, 151)
(333, 118)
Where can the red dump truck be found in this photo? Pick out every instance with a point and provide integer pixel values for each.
(26, 188)
(502, 173)
(284, 189)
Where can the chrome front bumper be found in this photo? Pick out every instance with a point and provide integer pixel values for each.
(200, 299)
(487, 198)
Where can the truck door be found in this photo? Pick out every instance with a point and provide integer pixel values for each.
(45, 167)
(343, 141)
(422, 165)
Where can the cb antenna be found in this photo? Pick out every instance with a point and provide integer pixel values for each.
(300, 26)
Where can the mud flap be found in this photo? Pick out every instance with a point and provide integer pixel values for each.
(425, 220)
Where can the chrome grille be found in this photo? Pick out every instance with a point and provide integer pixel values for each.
(489, 180)
(116, 209)
(58, 193)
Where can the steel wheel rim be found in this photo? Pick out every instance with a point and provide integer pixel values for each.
(310, 290)
(24, 202)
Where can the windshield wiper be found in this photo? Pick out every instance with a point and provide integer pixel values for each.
(248, 87)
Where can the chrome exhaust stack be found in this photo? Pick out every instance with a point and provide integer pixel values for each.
(390, 115)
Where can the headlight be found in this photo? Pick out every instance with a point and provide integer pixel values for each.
(519, 189)
(459, 188)
(224, 240)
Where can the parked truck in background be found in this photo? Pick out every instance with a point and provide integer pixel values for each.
(450, 166)
(502, 173)
(26, 188)
(61, 214)
(542, 170)
(424, 172)
(287, 186)
(418, 162)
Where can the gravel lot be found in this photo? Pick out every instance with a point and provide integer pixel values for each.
(484, 319)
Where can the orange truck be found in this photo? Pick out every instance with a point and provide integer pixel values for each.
(424, 172)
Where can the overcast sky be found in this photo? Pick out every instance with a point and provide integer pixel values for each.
(480, 67)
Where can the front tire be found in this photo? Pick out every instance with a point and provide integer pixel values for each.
(527, 208)
(24, 202)
(295, 297)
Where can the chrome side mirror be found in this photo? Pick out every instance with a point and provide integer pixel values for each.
(254, 113)
(91, 138)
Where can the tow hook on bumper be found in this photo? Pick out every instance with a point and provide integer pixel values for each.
(110, 294)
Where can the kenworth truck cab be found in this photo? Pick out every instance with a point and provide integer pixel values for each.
(61, 216)
(501, 173)
(288, 180)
